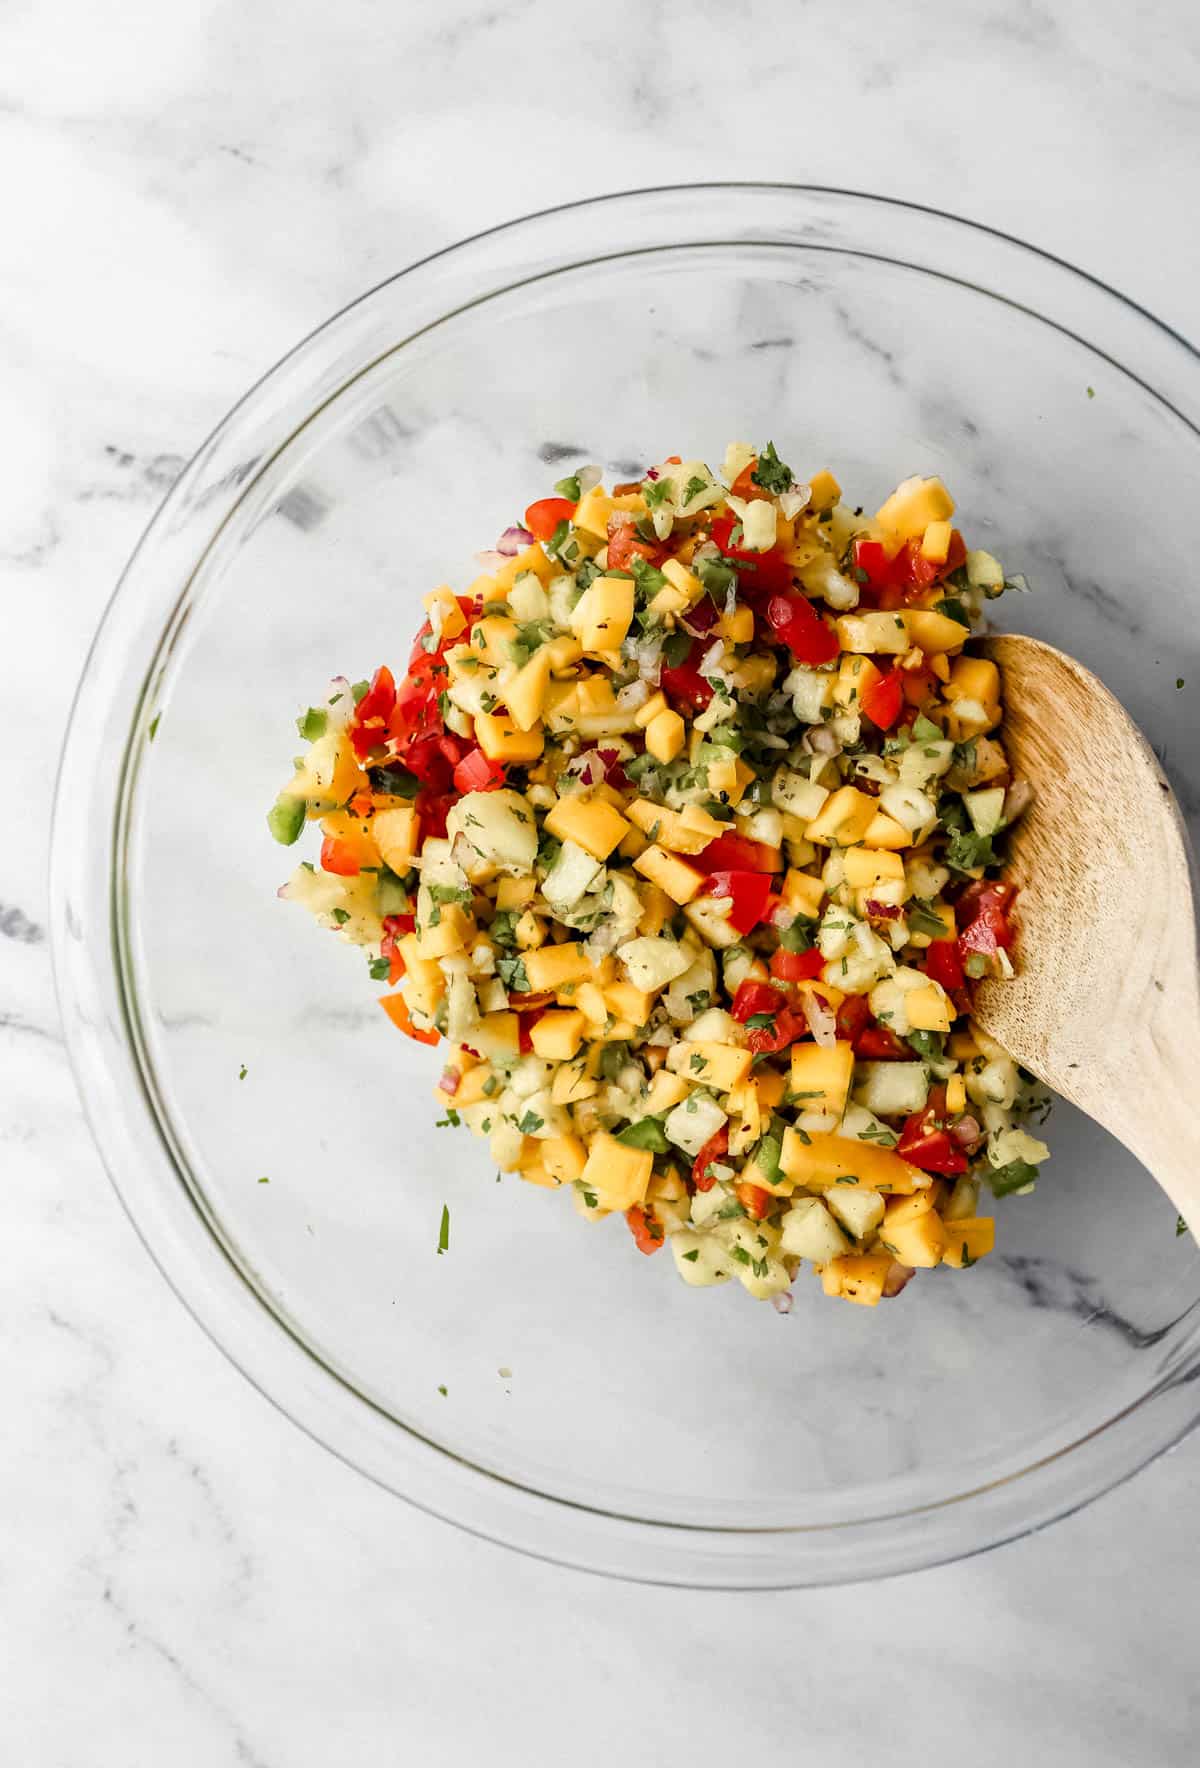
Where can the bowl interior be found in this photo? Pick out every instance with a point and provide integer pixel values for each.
(572, 1367)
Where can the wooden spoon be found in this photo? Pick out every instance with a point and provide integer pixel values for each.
(1105, 1007)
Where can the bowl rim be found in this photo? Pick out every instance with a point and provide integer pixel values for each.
(89, 987)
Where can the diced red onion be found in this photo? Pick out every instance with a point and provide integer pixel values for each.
(882, 911)
(782, 1303)
(450, 1080)
(653, 473)
(898, 1277)
(967, 1131)
(513, 541)
(820, 740)
(821, 1021)
(700, 619)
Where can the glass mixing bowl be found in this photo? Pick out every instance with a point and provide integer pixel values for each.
(595, 1410)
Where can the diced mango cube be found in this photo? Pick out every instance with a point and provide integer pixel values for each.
(936, 633)
(861, 1276)
(865, 866)
(876, 633)
(721, 1066)
(820, 1077)
(935, 542)
(593, 510)
(802, 894)
(590, 823)
(603, 614)
(967, 1240)
(919, 1242)
(526, 693)
(629, 1003)
(913, 505)
(665, 1091)
(737, 628)
(823, 490)
(672, 875)
(974, 678)
(445, 615)
(557, 1034)
(770, 1087)
(397, 835)
(551, 966)
(645, 715)
(844, 818)
(665, 736)
(729, 779)
(885, 831)
(572, 1084)
(502, 740)
(532, 559)
(825, 1160)
(929, 1008)
(956, 1094)
(514, 893)
(616, 1176)
(564, 1158)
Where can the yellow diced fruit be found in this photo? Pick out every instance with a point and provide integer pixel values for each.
(593, 510)
(970, 1239)
(856, 673)
(563, 652)
(885, 831)
(974, 678)
(823, 490)
(826, 1160)
(664, 736)
(514, 893)
(572, 1084)
(722, 1066)
(669, 827)
(532, 1170)
(497, 1034)
(446, 617)
(633, 844)
(564, 1158)
(589, 998)
(771, 1088)
(645, 715)
(552, 966)
(424, 981)
(673, 876)
(919, 1242)
(913, 505)
(629, 1003)
(615, 1175)
(501, 740)
(665, 1091)
(948, 929)
(557, 1034)
(820, 1077)
(940, 667)
(962, 1046)
(831, 1278)
(876, 633)
(865, 866)
(929, 1009)
(861, 1277)
(525, 694)
(590, 823)
(935, 542)
(737, 628)
(682, 582)
(397, 835)
(454, 928)
(657, 909)
(471, 1088)
(802, 894)
(844, 818)
(745, 1125)
(603, 614)
(935, 633)
(530, 931)
(490, 639)
(956, 1094)
(532, 559)
(729, 779)
(898, 1212)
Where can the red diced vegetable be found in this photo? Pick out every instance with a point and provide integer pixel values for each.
(756, 997)
(923, 1144)
(944, 965)
(683, 683)
(794, 623)
(624, 545)
(475, 773)
(754, 1200)
(748, 892)
(797, 966)
(543, 517)
(737, 853)
(714, 1149)
(646, 1229)
(882, 700)
(340, 856)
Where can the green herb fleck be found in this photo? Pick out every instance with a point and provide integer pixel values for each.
(771, 473)
(443, 1244)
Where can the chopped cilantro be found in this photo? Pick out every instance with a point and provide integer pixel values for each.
(157, 720)
(656, 491)
(394, 779)
(242, 1072)
(530, 1123)
(693, 1255)
(966, 852)
(341, 916)
(695, 487)
(379, 969)
(1181, 1226)
(676, 650)
(511, 972)
(771, 473)
(443, 1244)
(953, 609)
(1014, 1177)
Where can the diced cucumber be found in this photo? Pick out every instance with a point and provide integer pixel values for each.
(986, 809)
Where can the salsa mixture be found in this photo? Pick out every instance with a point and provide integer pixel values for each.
(682, 835)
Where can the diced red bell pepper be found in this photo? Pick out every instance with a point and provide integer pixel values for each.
(871, 558)
(543, 517)
(797, 966)
(646, 1229)
(748, 893)
(944, 965)
(934, 1150)
(853, 1014)
(984, 906)
(432, 808)
(683, 683)
(878, 1043)
(786, 1028)
(715, 1148)
(754, 1200)
(387, 949)
(475, 773)
(369, 726)
(763, 573)
(756, 997)
(624, 544)
(340, 856)
(525, 1024)
(738, 853)
(794, 622)
(882, 700)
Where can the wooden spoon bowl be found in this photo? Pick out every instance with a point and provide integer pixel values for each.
(1105, 1006)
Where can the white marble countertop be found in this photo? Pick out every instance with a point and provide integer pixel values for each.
(183, 1575)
